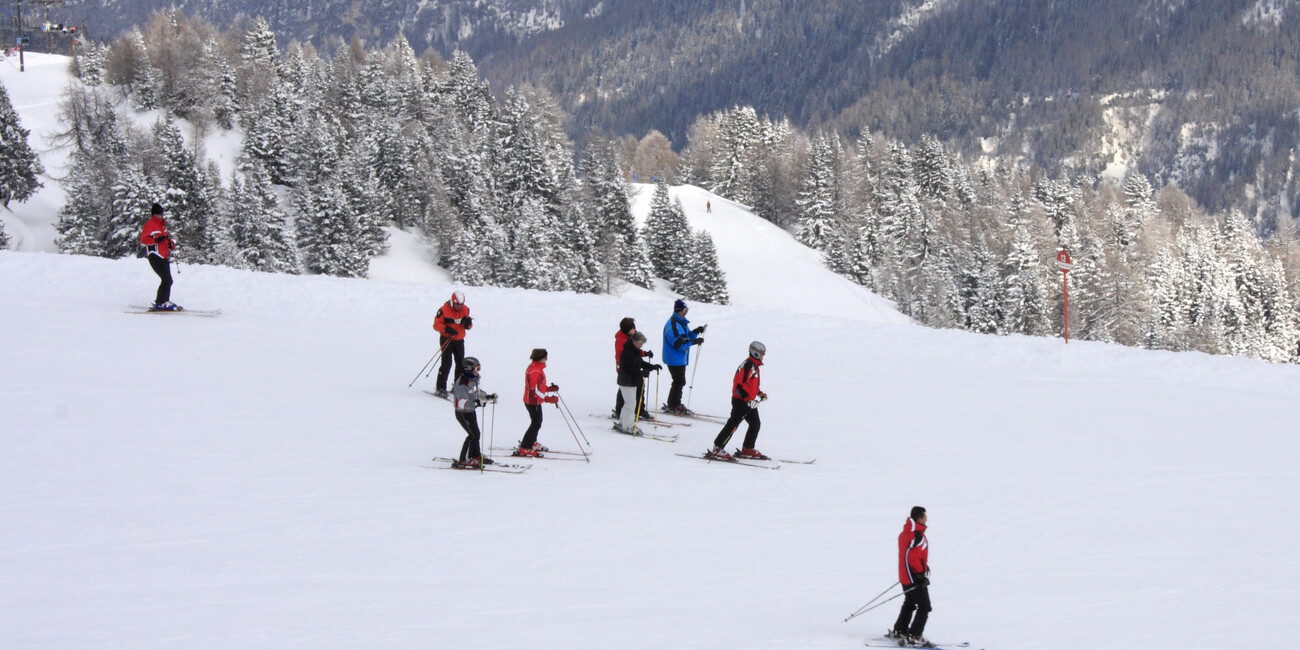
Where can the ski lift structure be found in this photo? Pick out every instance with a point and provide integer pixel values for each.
(21, 29)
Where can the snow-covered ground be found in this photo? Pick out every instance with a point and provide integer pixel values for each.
(259, 479)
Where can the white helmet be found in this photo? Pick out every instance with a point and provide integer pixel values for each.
(458, 297)
(757, 349)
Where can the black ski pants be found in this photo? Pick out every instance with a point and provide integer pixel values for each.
(740, 410)
(679, 380)
(164, 270)
(917, 600)
(534, 425)
(450, 349)
(640, 397)
(469, 423)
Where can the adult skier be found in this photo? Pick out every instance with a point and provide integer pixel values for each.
(467, 397)
(536, 393)
(914, 575)
(451, 324)
(745, 396)
(632, 370)
(625, 329)
(160, 246)
(678, 339)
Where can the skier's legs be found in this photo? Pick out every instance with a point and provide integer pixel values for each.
(163, 268)
(535, 425)
(751, 435)
(444, 366)
(922, 600)
(627, 418)
(679, 382)
(902, 625)
(738, 413)
(470, 424)
(618, 404)
(640, 398)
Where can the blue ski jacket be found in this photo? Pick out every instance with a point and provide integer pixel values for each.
(678, 339)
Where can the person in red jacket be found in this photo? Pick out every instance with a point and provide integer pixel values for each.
(914, 575)
(154, 236)
(536, 393)
(451, 324)
(626, 328)
(745, 396)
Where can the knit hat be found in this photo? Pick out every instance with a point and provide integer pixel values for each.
(156, 209)
(679, 305)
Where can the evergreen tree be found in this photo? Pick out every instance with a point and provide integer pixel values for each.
(142, 86)
(187, 195)
(667, 234)
(328, 232)
(819, 202)
(258, 227)
(1025, 307)
(703, 279)
(611, 213)
(19, 165)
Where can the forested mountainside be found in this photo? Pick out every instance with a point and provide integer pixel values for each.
(1201, 94)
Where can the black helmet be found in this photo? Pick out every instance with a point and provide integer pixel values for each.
(757, 349)
(470, 364)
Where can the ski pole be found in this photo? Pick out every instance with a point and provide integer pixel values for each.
(426, 365)
(864, 607)
(441, 348)
(637, 419)
(656, 411)
(572, 432)
(492, 436)
(575, 421)
(905, 592)
(690, 390)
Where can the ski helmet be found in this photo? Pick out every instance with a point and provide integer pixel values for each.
(471, 364)
(458, 297)
(757, 349)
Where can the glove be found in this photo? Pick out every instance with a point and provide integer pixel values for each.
(158, 239)
(552, 400)
(467, 322)
(657, 367)
(753, 403)
(700, 329)
(448, 321)
(649, 354)
(492, 397)
(762, 395)
(922, 581)
(699, 341)
(553, 387)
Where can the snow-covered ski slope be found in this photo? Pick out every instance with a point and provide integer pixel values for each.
(758, 256)
(259, 479)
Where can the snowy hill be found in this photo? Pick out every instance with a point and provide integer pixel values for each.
(258, 479)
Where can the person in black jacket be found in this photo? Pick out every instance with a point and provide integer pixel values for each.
(632, 369)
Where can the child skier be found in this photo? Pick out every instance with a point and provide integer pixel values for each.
(678, 339)
(632, 370)
(625, 329)
(914, 575)
(745, 396)
(468, 397)
(154, 235)
(536, 393)
(451, 324)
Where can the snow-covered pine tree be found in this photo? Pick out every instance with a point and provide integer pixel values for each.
(537, 249)
(19, 165)
(90, 63)
(99, 151)
(703, 279)
(667, 234)
(731, 174)
(328, 234)
(820, 207)
(1025, 308)
(259, 227)
(606, 198)
(932, 168)
(368, 199)
(257, 69)
(187, 195)
(142, 86)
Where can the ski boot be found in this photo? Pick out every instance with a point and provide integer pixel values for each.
(718, 453)
(441, 392)
(752, 454)
(166, 306)
(526, 451)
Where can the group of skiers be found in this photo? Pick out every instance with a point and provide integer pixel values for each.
(452, 323)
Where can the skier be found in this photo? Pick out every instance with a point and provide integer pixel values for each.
(536, 393)
(745, 396)
(625, 329)
(468, 397)
(155, 236)
(678, 339)
(708, 206)
(632, 370)
(914, 574)
(451, 323)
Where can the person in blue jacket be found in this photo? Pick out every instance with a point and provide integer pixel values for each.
(678, 339)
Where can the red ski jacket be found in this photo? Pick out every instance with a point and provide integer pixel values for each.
(913, 552)
(744, 386)
(620, 339)
(536, 391)
(455, 330)
(154, 235)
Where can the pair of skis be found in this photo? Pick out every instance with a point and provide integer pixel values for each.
(503, 468)
(737, 459)
(142, 309)
(549, 454)
(886, 642)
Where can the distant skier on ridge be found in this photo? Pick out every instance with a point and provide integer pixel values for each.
(160, 245)
(451, 323)
(678, 339)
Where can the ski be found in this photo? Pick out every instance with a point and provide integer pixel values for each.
(647, 436)
(486, 467)
(884, 642)
(546, 455)
(446, 397)
(489, 468)
(208, 313)
(712, 419)
(776, 460)
(549, 452)
(656, 423)
(731, 461)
